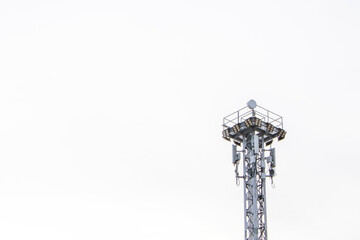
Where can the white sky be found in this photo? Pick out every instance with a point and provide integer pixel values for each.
(111, 113)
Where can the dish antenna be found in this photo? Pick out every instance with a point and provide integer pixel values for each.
(251, 104)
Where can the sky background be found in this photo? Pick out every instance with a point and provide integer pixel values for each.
(111, 113)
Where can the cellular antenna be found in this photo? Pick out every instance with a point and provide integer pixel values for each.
(251, 133)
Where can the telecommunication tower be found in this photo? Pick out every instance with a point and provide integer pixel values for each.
(255, 131)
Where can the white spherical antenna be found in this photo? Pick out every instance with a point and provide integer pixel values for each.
(251, 104)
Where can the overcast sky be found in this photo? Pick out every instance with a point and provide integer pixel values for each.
(111, 113)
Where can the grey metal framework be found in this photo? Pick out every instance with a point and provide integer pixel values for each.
(254, 130)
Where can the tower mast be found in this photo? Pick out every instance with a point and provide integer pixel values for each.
(254, 130)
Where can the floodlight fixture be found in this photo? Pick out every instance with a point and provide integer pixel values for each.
(257, 121)
(237, 143)
(236, 128)
(269, 143)
(248, 122)
(226, 133)
(282, 134)
(270, 127)
(253, 121)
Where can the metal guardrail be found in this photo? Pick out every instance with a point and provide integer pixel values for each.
(245, 113)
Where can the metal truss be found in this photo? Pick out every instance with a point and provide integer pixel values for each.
(254, 188)
(254, 130)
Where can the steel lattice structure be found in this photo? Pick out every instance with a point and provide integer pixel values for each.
(254, 130)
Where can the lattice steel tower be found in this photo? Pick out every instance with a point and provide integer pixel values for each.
(255, 131)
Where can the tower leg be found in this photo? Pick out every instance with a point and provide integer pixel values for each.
(254, 187)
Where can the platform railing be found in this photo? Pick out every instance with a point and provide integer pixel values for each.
(245, 113)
